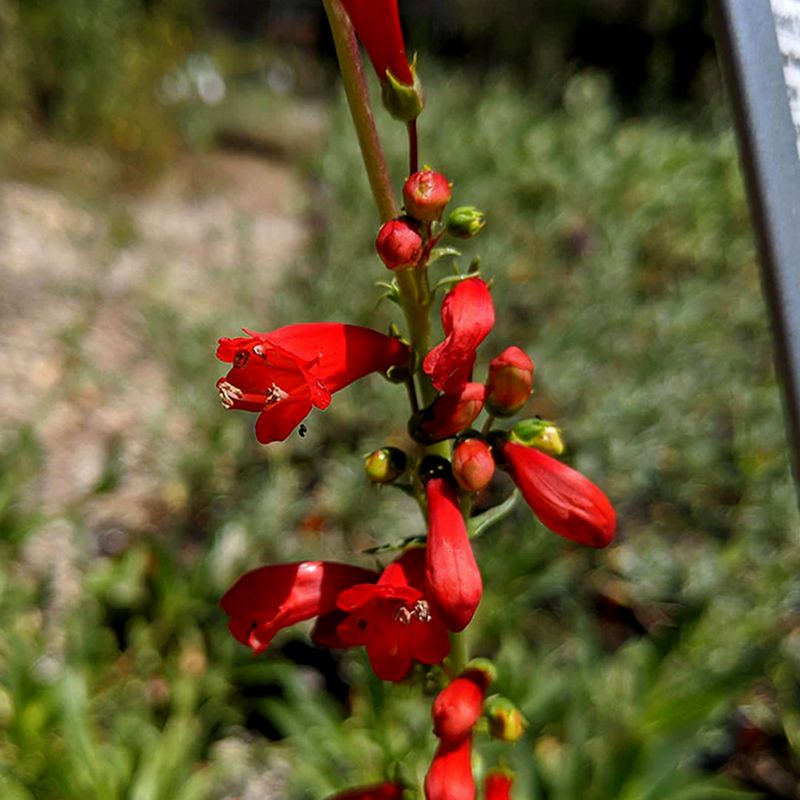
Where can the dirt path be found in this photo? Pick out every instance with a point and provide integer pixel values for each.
(76, 360)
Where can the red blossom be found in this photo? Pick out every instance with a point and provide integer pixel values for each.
(377, 25)
(284, 373)
(564, 500)
(458, 706)
(451, 572)
(267, 599)
(450, 774)
(382, 791)
(498, 785)
(467, 317)
(449, 414)
(510, 381)
(393, 619)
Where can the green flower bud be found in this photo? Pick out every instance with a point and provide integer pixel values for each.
(538, 433)
(505, 719)
(465, 222)
(385, 465)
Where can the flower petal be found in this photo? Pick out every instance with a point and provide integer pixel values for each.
(382, 791)
(450, 773)
(270, 598)
(339, 354)
(467, 318)
(276, 422)
(564, 500)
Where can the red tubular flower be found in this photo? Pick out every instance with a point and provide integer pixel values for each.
(451, 572)
(382, 791)
(498, 785)
(449, 414)
(282, 374)
(394, 619)
(473, 464)
(510, 381)
(450, 774)
(377, 25)
(459, 705)
(467, 317)
(564, 500)
(267, 599)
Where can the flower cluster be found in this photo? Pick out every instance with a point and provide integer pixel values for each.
(406, 613)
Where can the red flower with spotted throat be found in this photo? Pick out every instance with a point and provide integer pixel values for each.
(393, 619)
(284, 373)
(467, 317)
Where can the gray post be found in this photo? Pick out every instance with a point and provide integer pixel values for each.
(753, 66)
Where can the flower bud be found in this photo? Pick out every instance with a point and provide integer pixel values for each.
(497, 785)
(510, 381)
(399, 244)
(458, 706)
(465, 222)
(538, 433)
(385, 465)
(403, 101)
(473, 465)
(505, 719)
(448, 414)
(426, 193)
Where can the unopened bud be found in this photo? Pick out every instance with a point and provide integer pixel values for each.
(465, 222)
(448, 414)
(403, 101)
(538, 433)
(510, 381)
(505, 719)
(385, 465)
(498, 783)
(473, 465)
(399, 244)
(425, 194)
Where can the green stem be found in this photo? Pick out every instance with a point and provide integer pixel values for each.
(458, 657)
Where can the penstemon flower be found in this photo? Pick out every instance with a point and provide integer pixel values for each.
(394, 619)
(450, 774)
(267, 599)
(467, 318)
(383, 791)
(564, 500)
(283, 374)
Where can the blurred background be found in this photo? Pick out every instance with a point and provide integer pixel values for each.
(173, 170)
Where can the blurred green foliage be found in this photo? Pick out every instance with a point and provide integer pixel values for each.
(622, 262)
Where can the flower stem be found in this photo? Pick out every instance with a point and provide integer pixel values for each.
(413, 147)
(355, 86)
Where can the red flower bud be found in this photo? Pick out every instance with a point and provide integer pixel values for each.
(449, 414)
(564, 500)
(399, 244)
(452, 577)
(458, 706)
(426, 193)
(450, 774)
(498, 785)
(382, 791)
(473, 465)
(510, 382)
